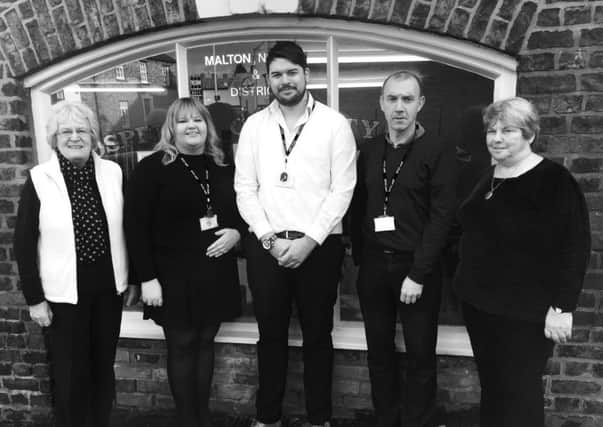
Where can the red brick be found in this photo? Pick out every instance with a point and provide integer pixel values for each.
(576, 369)
(137, 400)
(567, 404)
(22, 369)
(591, 37)
(21, 384)
(549, 18)
(550, 39)
(581, 351)
(132, 372)
(593, 407)
(574, 387)
(576, 15)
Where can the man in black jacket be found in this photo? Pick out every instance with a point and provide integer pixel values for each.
(403, 207)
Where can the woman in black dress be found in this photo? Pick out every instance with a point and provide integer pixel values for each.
(523, 256)
(181, 226)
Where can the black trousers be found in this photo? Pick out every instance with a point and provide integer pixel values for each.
(81, 342)
(511, 356)
(313, 287)
(409, 401)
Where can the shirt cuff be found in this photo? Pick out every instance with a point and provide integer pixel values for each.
(417, 275)
(317, 235)
(262, 228)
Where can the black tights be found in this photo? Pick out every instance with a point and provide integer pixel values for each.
(190, 367)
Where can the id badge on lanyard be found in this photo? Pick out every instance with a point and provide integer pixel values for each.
(209, 221)
(386, 222)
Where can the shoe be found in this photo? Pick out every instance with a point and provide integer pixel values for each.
(256, 423)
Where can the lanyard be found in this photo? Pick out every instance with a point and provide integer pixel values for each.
(388, 187)
(295, 138)
(204, 188)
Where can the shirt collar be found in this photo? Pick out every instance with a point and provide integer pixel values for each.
(419, 132)
(276, 112)
(69, 170)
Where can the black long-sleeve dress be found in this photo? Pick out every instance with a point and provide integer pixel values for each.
(163, 208)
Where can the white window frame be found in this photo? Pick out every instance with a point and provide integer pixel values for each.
(166, 74)
(144, 74)
(494, 65)
(120, 73)
(124, 113)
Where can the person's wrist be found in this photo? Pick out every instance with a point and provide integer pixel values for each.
(268, 241)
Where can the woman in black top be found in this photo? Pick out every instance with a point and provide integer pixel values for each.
(524, 252)
(181, 226)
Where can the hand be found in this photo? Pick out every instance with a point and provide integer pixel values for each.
(558, 326)
(41, 313)
(151, 293)
(279, 247)
(228, 237)
(132, 295)
(411, 291)
(298, 251)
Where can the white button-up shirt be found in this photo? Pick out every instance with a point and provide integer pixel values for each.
(322, 167)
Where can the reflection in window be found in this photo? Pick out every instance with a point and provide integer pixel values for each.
(166, 73)
(454, 98)
(130, 114)
(124, 114)
(120, 73)
(144, 78)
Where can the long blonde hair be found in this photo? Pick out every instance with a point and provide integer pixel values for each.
(167, 143)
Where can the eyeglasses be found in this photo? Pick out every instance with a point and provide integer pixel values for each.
(507, 130)
(67, 133)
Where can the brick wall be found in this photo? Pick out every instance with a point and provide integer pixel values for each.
(544, 34)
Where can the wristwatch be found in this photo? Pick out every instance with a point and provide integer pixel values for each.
(268, 243)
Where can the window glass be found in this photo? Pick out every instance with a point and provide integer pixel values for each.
(130, 111)
(231, 79)
(454, 99)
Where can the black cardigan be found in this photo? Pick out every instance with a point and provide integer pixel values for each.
(527, 247)
(163, 207)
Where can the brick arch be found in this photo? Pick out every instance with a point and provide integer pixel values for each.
(36, 33)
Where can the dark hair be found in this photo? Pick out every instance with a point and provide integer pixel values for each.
(290, 51)
(404, 75)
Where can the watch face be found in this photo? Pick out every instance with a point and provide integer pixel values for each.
(267, 244)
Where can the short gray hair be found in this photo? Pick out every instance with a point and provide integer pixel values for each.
(517, 112)
(66, 111)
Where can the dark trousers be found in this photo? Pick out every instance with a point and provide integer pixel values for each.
(511, 356)
(313, 287)
(81, 342)
(408, 402)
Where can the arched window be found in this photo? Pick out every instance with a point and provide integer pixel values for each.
(223, 63)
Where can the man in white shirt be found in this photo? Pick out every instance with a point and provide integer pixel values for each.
(295, 176)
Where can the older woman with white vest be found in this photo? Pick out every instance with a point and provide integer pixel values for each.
(71, 253)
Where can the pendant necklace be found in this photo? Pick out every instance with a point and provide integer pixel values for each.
(493, 187)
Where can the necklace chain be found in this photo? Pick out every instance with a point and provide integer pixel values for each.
(493, 187)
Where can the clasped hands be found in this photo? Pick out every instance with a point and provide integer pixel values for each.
(227, 238)
(292, 253)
